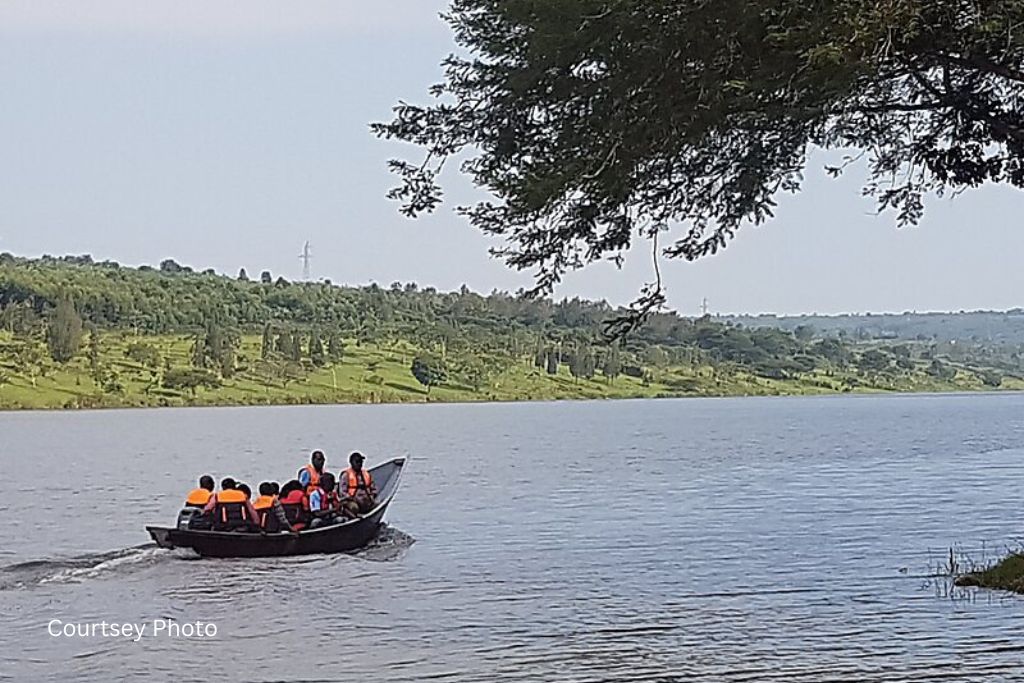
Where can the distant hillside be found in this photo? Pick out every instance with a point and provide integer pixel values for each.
(77, 333)
(995, 327)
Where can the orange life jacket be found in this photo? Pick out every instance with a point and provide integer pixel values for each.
(198, 498)
(231, 511)
(314, 477)
(352, 481)
(264, 508)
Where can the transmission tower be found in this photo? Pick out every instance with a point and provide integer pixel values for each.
(704, 306)
(305, 256)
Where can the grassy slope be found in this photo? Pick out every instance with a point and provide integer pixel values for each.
(370, 374)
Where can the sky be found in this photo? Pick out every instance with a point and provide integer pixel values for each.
(226, 133)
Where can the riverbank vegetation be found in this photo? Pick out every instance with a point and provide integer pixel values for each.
(1007, 574)
(77, 333)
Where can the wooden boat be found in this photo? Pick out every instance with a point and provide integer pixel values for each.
(337, 538)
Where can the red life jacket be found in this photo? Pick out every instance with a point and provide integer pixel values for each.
(296, 508)
(353, 482)
(231, 511)
(309, 498)
(198, 498)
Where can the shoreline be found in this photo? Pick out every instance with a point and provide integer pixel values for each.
(864, 393)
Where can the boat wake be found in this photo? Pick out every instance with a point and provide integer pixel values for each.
(389, 545)
(80, 568)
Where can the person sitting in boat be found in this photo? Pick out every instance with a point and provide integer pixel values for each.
(358, 493)
(244, 488)
(231, 508)
(271, 516)
(295, 504)
(309, 476)
(324, 503)
(198, 498)
(192, 515)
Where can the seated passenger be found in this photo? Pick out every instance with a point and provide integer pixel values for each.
(198, 498)
(231, 508)
(244, 488)
(330, 488)
(271, 516)
(295, 504)
(192, 515)
(309, 476)
(358, 494)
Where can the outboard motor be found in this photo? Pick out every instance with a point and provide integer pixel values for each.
(192, 518)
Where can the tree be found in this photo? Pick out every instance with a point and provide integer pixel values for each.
(171, 266)
(540, 356)
(64, 335)
(591, 121)
(94, 350)
(612, 364)
(189, 379)
(429, 370)
(941, 371)
(335, 347)
(316, 349)
(144, 354)
(804, 333)
(874, 361)
(267, 342)
(552, 362)
(284, 344)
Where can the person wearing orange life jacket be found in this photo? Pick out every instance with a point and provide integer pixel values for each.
(309, 476)
(295, 504)
(271, 517)
(198, 498)
(192, 515)
(358, 493)
(231, 509)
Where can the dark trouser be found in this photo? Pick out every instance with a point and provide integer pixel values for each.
(358, 504)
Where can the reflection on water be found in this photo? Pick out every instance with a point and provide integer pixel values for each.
(705, 540)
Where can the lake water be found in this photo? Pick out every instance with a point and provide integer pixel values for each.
(683, 540)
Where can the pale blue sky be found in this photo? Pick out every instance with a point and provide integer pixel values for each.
(224, 134)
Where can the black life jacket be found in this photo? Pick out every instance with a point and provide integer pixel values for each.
(231, 511)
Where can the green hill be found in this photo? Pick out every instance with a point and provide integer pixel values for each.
(75, 333)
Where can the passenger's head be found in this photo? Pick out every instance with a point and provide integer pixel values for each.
(244, 488)
(327, 482)
(227, 483)
(356, 460)
(275, 488)
(206, 482)
(318, 460)
(266, 489)
(293, 485)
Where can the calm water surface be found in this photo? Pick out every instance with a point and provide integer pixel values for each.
(689, 540)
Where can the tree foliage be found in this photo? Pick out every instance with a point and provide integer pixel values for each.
(590, 121)
(64, 335)
(429, 370)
